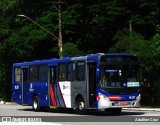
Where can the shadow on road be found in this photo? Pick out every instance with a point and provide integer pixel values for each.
(108, 113)
(90, 113)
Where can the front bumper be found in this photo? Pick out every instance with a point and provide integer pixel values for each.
(105, 103)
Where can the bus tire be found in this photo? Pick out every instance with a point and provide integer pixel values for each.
(80, 106)
(35, 104)
(116, 111)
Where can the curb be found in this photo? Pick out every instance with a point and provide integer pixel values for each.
(11, 103)
(143, 109)
(7, 103)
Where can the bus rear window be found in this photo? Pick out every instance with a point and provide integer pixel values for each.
(17, 73)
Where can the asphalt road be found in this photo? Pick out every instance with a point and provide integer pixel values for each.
(25, 113)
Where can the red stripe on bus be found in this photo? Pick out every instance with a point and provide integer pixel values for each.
(52, 96)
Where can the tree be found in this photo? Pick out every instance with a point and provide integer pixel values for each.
(148, 53)
(133, 43)
(156, 46)
(156, 64)
(71, 50)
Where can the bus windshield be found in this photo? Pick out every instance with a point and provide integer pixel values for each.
(119, 76)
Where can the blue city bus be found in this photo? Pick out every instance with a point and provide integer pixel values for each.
(96, 81)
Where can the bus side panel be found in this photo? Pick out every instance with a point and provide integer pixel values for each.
(25, 94)
(78, 89)
(39, 89)
(44, 94)
(57, 96)
(17, 96)
(65, 88)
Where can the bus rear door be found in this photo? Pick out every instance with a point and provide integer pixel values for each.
(25, 86)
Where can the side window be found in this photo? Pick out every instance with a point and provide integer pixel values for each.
(43, 73)
(33, 74)
(81, 71)
(71, 71)
(62, 72)
(17, 74)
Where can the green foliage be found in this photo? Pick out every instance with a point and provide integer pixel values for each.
(148, 53)
(9, 4)
(156, 49)
(105, 11)
(70, 50)
(136, 44)
(155, 44)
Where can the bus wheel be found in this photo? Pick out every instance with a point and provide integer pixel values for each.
(81, 106)
(116, 111)
(35, 104)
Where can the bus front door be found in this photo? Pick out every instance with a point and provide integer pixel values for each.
(92, 84)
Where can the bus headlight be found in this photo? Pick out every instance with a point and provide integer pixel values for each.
(138, 97)
(101, 96)
(103, 101)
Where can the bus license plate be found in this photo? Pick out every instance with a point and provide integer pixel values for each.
(123, 103)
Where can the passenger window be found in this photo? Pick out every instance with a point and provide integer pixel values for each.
(33, 74)
(62, 72)
(81, 71)
(71, 71)
(43, 73)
